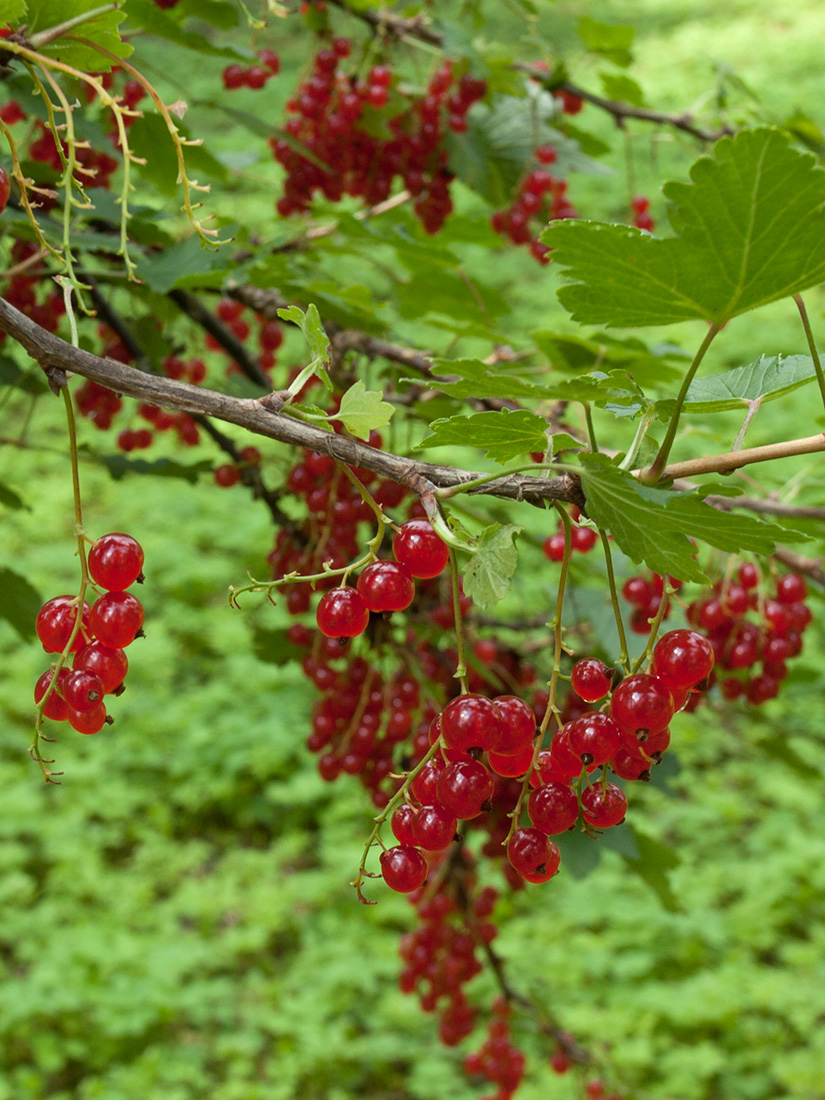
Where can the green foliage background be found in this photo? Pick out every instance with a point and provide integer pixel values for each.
(175, 920)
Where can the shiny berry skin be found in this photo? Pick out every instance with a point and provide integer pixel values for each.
(55, 622)
(564, 761)
(628, 766)
(683, 658)
(404, 868)
(464, 788)
(116, 618)
(342, 613)
(417, 547)
(593, 738)
(115, 561)
(553, 547)
(553, 808)
(791, 588)
(591, 679)
(532, 853)
(641, 703)
(55, 707)
(385, 587)
(82, 690)
(87, 721)
(511, 765)
(401, 824)
(518, 725)
(433, 828)
(226, 475)
(111, 665)
(748, 575)
(604, 808)
(5, 188)
(234, 76)
(471, 722)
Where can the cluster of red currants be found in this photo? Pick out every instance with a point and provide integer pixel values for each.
(29, 292)
(752, 655)
(113, 621)
(645, 592)
(333, 115)
(541, 198)
(252, 76)
(642, 218)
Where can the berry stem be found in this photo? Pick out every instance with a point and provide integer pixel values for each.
(654, 473)
(461, 667)
(624, 659)
(668, 591)
(551, 709)
(591, 431)
(809, 335)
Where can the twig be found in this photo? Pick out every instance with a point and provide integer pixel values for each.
(732, 460)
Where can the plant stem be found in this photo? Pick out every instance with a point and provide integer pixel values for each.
(651, 476)
(461, 667)
(624, 660)
(806, 324)
(43, 38)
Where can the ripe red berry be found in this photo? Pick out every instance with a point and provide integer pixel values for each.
(464, 787)
(116, 618)
(604, 808)
(111, 665)
(532, 853)
(471, 722)
(401, 824)
(791, 588)
(404, 868)
(82, 690)
(641, 705)
(342, 613)
(226, 475)
(55, 707)
(511, 764)
(234, 76)
(88, 721)
(5, 188)
(115, 561)
(55, 622)
(593, 738)
(591, 679)
(417, 546)
(386, 586)
(683, 658)
(434, 828)
(518, 725)
(553, 808)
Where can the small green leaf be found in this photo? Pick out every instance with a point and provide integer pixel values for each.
(101, 30)
(363, 410)
(611, 41)
(162, 271)
(735, 248)
(503, 435)
(10, 499)
(489, 574)
(19, 602)
(767, 378)
(479, 379)
(622, 89)
(152, 20)
(652, 525)
(12, 11)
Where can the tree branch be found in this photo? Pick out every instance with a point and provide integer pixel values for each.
(621, 111)
(55, 354)
(732, 460)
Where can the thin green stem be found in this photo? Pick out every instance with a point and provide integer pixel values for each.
(624, 660)
(551, 710)
(806, 324)
(654, 627)
(591, 431)
(43, 38)
(652, 475)
(461, 667)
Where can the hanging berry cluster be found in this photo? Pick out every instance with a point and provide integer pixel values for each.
(106, 628)
(334, 115)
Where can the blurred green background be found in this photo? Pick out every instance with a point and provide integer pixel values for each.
(176, 920)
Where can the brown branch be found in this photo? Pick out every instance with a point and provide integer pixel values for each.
(622, 111)
(733, 460)
(800, 564)
(55, 354)
(396, 26)
(769, 507)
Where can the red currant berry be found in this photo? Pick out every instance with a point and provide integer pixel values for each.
(385, 587)
(115, 561)
(593, 738)
(82, 690)
(234, 76)
(434, 828)
(518, 725)
(401, 824)
(748, 575)
(55, 622)
(342, 613)
(471, 722)
(116, 618)
(531, 852)
(553, 547)
(591, 679)
(791, 588)
(641, 704)
(512, 764)
(553, 808)
(87, 721)
(629, 766)
(404, 868)
(226, 475)
(604, 808)
(683, 658)
(464, 787)
(55, 707)
(111, 665)
(417, 547)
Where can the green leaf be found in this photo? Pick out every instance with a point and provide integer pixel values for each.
(273, 647)
(767, 378)
(622, 89)
(19, 603)
(102, 30)
(661, 364)
(653, 863)
(737, 246)
(503, 434)
(150, 140)
(479, 379)
(652, 525)
(611, 41)
(29, 381)
(162, 271)
(489, 574)
(362, 410)
(10, 499)
(152, 20)
(119, 466)
(12, 11)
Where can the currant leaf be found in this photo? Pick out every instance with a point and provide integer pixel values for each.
(765, 379)
(503, 434)
(363, 410)
(489, 574)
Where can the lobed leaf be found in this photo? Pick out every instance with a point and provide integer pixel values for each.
(490, 571)
(503, 434)
(363, 410)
